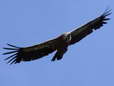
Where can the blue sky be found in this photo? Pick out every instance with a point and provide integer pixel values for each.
(27, 22)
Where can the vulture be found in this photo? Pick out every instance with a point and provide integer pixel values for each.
(59, 45)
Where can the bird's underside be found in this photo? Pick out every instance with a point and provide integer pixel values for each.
(59, 44)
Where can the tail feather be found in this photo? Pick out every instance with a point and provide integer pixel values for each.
(59, 54)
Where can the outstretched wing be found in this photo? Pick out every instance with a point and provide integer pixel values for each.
(88, 28)
(30, 53)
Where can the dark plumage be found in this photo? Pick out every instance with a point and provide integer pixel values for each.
(59, 44)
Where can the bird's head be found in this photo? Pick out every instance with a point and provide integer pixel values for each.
(67, 36)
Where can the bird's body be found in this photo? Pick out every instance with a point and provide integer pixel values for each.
(59, 44)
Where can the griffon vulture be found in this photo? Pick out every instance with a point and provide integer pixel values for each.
(59, 44)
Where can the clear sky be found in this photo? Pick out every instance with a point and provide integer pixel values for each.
(27, 22)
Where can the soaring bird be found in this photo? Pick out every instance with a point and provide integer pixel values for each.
(59, 44)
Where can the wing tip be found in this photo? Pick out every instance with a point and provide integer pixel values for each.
(103, 18)
(107, 12)
(14, 50)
